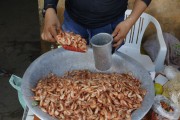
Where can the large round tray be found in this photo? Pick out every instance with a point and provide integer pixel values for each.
(59, 61)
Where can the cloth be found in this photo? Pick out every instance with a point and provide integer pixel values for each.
(151, 46)
(94, 13)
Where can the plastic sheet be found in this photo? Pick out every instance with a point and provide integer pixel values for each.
(172, 89)
(162, 113)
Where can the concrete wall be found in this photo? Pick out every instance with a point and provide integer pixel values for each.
(167, 12)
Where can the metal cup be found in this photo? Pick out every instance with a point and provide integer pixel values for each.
(102, 50)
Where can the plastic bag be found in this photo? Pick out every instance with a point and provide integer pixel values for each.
(170, 72)
(151, 46)
(172, 89)
(163, 114)
(16, 83)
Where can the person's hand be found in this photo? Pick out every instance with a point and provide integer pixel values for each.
(120, 32)
(51, 25)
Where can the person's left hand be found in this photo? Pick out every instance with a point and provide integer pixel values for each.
(120, 32)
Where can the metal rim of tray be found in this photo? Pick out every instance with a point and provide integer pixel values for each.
(41, 64)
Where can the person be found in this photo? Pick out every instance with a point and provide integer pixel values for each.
(90, 17)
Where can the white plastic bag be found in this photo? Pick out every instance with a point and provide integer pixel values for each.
(170, 72)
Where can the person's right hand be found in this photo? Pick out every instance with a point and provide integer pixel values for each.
(51, 25)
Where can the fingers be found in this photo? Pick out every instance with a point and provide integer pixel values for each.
(117, 43)
(115, 32)
(118, 39)
(49, 34)
(53, 32)
(42, 36)
(50, 37)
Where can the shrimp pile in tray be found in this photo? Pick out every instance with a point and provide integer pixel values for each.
(84, 95)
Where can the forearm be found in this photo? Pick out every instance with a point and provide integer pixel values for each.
(138, 8)
(123, 27)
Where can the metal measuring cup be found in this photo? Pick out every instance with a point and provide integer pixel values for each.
(102, 50)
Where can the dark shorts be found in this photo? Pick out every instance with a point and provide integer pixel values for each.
(70, 25)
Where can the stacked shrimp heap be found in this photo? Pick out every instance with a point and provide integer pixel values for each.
(83, 95)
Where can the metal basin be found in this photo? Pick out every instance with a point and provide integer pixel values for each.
(60, 61)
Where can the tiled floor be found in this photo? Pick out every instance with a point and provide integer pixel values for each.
(19, 46)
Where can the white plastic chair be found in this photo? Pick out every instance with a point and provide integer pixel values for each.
(133, 43)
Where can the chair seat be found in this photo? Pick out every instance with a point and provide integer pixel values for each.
(136, 55)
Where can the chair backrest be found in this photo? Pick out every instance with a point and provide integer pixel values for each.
(133, 41)
(134, 36)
